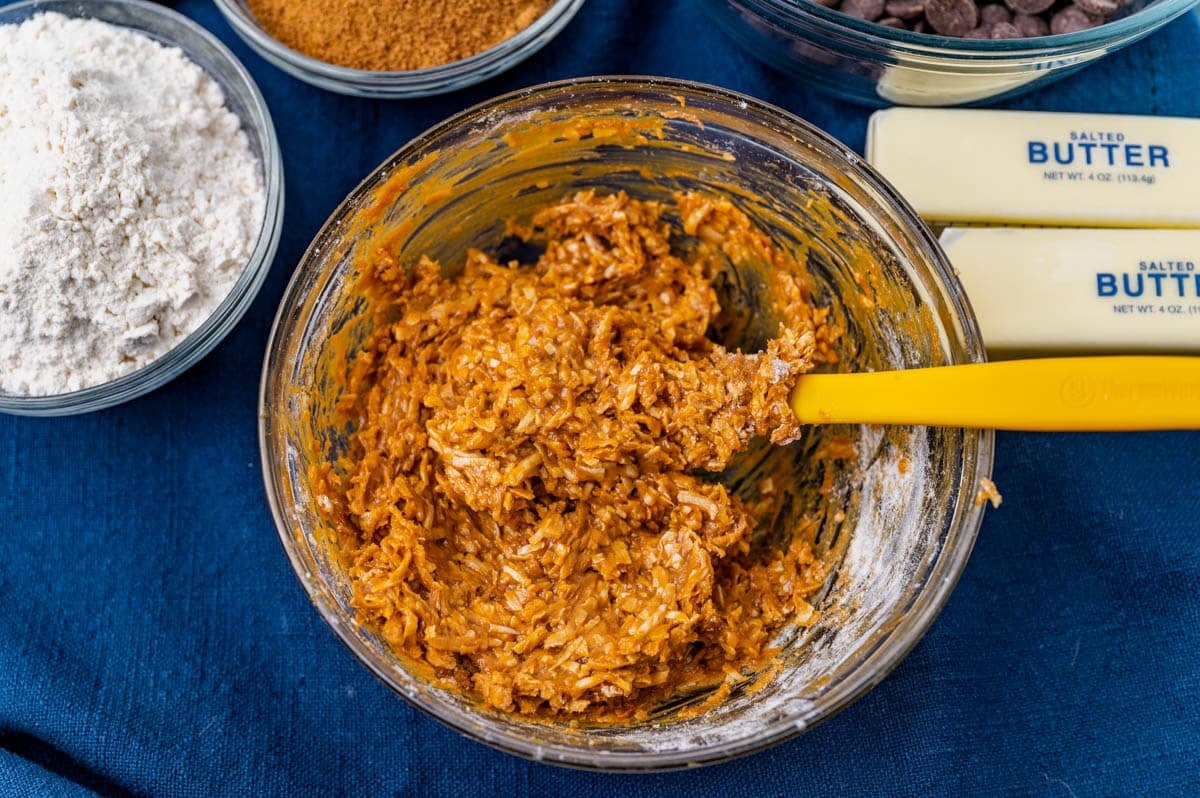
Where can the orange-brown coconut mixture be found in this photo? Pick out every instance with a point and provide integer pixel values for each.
(522, 500)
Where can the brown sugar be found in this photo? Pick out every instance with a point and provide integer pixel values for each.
(523, 506)
(394, 35)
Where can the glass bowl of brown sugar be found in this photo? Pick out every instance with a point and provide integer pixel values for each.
(369, 48)
(890, 514)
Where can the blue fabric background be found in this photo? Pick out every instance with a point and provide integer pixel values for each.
(153, 640)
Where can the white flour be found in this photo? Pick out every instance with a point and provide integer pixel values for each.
(129, 202)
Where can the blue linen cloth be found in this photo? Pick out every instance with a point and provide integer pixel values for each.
(154, 641)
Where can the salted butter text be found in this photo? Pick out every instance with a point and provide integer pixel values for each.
(1099, 153)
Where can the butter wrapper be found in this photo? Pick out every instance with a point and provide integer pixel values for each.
(961, 166)
(1080, 291)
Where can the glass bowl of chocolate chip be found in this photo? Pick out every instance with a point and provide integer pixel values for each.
(937, 52)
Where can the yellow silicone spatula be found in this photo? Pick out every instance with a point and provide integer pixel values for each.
(1051, 394)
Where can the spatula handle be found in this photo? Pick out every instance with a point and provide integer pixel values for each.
(1051, 394)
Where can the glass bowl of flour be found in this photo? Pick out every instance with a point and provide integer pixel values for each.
(141, 200)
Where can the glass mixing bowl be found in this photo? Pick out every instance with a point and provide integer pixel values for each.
(242, 98)
(901, 518)
(411, 83)
(876, 65)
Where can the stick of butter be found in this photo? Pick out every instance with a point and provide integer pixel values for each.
(1025, 167)
(1066, 291)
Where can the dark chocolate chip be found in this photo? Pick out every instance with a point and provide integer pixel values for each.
(905, 9)
(1030, 26)
(1072, 19)
(1029, 6)
(870, 10)
(993, 13)
(1099, 8)
(952, 17)
(983, 19)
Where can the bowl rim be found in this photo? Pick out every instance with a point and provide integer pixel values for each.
(977, 458)
(198, 343)
(1140, 23)
(401, 83)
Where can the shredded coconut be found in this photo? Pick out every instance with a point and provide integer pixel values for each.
(129, 202)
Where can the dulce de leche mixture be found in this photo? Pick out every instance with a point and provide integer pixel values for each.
(524, 504)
